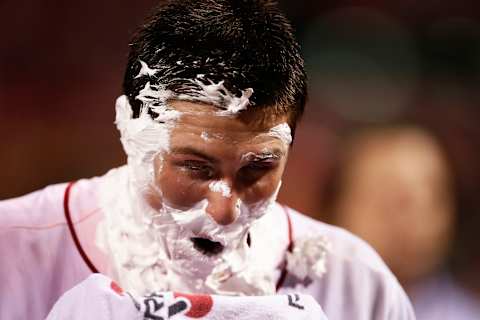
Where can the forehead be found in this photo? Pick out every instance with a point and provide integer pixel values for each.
(210, 123)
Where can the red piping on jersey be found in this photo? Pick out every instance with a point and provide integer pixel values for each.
(66, 209)
(283, 274)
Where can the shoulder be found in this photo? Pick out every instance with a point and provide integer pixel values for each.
(35, 240)
(46, 207)
(41, 207)
(344, 245)
(355, 275)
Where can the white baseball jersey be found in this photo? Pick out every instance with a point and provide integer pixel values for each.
(47, 246)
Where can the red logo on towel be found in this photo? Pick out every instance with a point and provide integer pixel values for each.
(201, 304)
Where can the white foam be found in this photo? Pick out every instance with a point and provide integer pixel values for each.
(221, 187)
(219, 96)
(309, 257)
(145, 70)
(282, 132)
(205, 136)
(150, 249)
(252, 156)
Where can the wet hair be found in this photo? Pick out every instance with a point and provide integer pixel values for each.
(245, 43)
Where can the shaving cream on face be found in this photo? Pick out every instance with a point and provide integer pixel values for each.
(150, 249)
(143, 138)
(124, 234)
(221, 187)
(252, 156)
(282, 132)
(205, 136)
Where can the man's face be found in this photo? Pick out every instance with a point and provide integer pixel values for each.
(207, 150)
(198, 177)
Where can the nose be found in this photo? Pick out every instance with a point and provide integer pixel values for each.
(222, 208)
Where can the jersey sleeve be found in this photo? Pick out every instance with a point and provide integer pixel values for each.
(34, 243)
(398, 306)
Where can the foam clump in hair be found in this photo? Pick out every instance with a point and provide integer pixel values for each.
(145, 70)
(154, 97)
(218, 95)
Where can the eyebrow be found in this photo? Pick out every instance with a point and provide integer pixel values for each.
(276, 153)
(260, 156)
(194, 152)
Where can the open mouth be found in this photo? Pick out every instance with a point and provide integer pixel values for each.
(206, 246)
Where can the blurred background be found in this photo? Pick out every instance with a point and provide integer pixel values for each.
(389, 147)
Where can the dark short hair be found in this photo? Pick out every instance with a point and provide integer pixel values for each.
(245, 43)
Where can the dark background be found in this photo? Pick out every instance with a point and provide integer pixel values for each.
(61, 66)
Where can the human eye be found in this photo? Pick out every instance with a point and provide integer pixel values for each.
(255, 170)
(197, 169)
(260, 165)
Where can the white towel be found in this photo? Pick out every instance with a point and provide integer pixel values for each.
(100, 298)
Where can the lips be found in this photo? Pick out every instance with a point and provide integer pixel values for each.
(207, 246)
